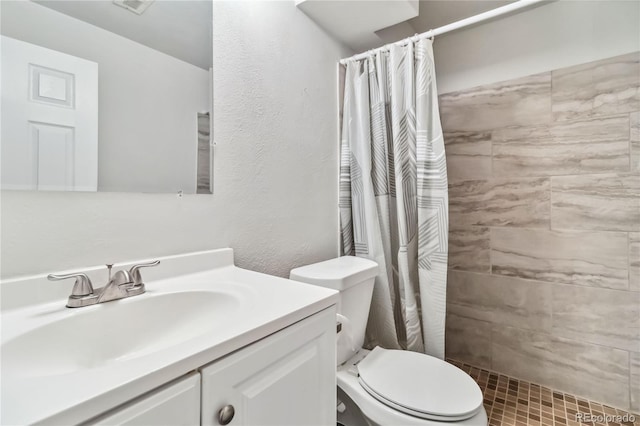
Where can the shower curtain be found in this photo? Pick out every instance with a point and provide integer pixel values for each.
(393, 193)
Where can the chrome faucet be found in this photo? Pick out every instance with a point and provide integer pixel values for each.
(122, 284)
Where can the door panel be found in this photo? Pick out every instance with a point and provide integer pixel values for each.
(53, 148)
(52, 86)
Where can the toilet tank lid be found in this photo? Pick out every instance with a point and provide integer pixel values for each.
(339, 273)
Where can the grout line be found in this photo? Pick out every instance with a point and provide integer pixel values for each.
(585, 230)
(550, 202)
(544, 282)
(630, 393)
(491, 251)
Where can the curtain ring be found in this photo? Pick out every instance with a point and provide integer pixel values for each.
(367, 55)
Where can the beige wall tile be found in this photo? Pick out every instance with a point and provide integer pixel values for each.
(468, 340)
(521, 353)
(635, 381)
(607, 87)
(570, 147)
(592, 371)
(634, 261)
(634, 138)
(468, 155)
(596, 315)
(500, 202)
(604, 202)
(469, 249)
(515, 102)
(498, 299)
(597, 259)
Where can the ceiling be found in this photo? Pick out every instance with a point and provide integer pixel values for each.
(436, 13)
(180, 28)
(364, 25)
(355, 22)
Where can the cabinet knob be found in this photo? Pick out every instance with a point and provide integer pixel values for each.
(225, 415)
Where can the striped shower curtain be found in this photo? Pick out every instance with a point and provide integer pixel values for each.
(393, 193)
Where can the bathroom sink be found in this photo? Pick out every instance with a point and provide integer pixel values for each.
(76, 362)
(101, 335)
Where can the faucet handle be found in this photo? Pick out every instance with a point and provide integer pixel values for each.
(81, 288)
(135, 271)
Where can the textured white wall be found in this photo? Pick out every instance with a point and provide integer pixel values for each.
(275, 174)
(148, 100)
(548, 37)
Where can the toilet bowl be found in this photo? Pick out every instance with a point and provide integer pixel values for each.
(381, 386)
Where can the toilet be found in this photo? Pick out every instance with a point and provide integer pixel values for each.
(381, 386)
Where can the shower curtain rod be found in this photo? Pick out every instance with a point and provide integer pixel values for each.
(511, 7)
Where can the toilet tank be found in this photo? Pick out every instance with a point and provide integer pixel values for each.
(353, 277)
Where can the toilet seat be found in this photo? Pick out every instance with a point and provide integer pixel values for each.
(419, 385)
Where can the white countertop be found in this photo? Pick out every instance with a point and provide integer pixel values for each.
(268, 304)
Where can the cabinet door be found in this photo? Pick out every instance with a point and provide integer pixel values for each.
(288, 378)
(176, 403)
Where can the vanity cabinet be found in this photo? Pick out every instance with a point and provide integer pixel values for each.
(176, 403)
(288, 378)
(206, 335)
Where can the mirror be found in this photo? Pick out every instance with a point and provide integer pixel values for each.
(106, 95)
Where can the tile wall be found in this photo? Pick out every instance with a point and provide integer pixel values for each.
(544, 243)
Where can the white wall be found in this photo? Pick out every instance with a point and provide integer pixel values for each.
(275, 114)
(148, 100)
(548, 37)
(275, 174)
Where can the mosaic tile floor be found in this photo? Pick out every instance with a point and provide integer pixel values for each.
(510, 401)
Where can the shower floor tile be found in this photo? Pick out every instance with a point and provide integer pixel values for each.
(510, 401)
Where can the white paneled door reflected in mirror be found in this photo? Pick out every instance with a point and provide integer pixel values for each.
(102, 95)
